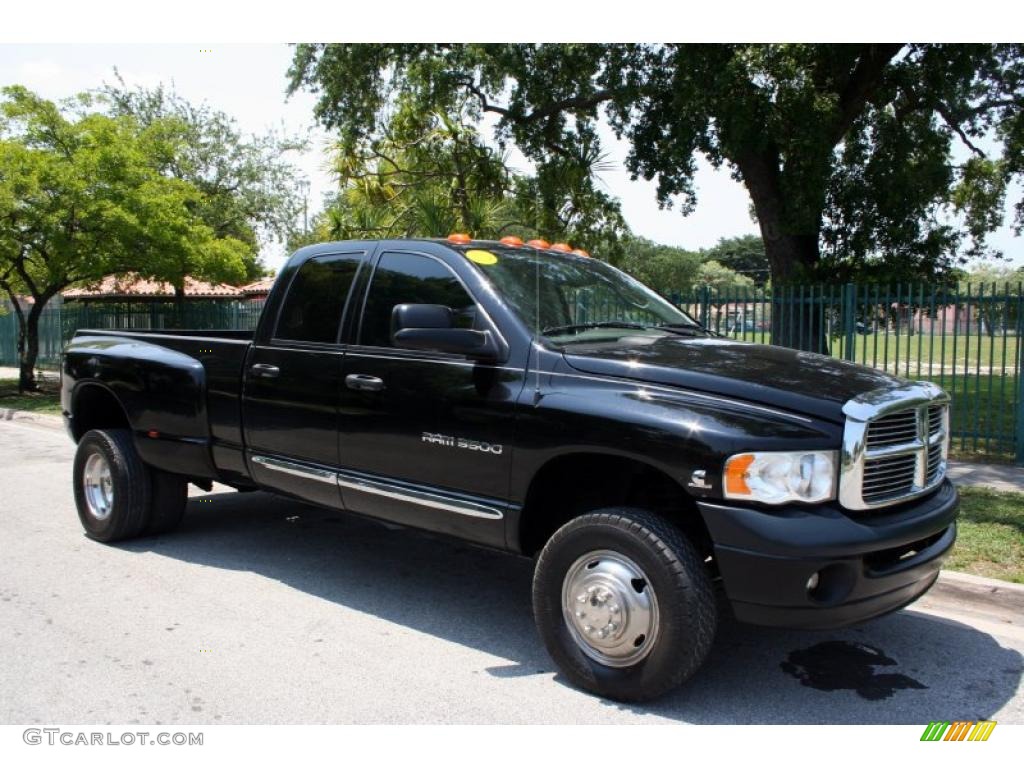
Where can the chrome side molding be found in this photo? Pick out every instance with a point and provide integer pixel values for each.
(422, 498)
(292, 468)
(419, 498)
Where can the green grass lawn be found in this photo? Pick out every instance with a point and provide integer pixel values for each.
(991, 536)
(913, 353)
(46, 401)
(983, 386)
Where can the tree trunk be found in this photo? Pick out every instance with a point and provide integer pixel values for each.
(797, 319)
(28, 348)
(179, 307)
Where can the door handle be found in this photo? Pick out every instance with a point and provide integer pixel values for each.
(361, 382)
(264, 371)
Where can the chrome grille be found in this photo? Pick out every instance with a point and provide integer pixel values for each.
(936, 464)
(895, 429)
(888, 477)
(895, 445)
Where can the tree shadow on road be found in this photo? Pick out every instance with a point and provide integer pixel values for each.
(905, 668)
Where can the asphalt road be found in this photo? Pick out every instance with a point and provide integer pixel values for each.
(263, 610)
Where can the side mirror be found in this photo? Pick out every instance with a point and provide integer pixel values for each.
(428, 327)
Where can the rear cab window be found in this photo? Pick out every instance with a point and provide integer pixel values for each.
(315, 303)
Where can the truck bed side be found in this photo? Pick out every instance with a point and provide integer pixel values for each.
(180, 392)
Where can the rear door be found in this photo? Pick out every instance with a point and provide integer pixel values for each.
(425, 437)
(292, 382)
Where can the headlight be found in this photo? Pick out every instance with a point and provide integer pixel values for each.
(775, 478)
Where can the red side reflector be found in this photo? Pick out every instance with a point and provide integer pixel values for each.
(152, 433)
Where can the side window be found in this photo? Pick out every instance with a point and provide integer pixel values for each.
(316, 299)
(405, 278)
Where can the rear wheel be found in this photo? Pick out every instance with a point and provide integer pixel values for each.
(624, 603)
(112, 486)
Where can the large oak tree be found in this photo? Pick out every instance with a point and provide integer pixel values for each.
(851, 153)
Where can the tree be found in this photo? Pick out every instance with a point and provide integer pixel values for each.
(720, 279)
(665, 268)
(81, 196)
(847, 151)
(744, 254)
(248, 188)
(430, 174)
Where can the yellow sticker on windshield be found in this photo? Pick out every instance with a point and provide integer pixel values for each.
(482, 257)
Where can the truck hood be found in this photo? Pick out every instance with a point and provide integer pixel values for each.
(802, 382)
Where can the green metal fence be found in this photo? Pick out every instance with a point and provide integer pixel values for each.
(965, 340)
(59, 322)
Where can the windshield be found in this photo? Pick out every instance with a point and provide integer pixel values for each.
(582, 299)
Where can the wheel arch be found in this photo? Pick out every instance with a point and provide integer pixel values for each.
(573, 484)
(95, 406)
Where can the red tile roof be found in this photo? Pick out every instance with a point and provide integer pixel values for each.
(133, 286)
(260, 287)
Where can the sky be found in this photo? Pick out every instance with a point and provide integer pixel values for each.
(247, 81)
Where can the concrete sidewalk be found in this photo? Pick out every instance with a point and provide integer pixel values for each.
(7, 372)
(996, 477)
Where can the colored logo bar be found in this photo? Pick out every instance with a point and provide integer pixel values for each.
(958, 730)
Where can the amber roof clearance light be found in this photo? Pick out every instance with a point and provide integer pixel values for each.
(539, 244)
(563, 247)
(511, 240)
(580, 252)
(459, 237)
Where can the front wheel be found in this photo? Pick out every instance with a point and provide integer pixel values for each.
(624, 603)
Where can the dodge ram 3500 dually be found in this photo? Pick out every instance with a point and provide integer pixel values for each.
(539, 401)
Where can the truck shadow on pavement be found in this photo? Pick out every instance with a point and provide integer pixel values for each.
(905, 668)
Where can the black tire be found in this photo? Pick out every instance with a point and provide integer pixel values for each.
(682, 592)
(169, 495)
(129, 481)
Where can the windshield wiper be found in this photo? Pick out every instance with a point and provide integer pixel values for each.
(682, 329)
(576, 328)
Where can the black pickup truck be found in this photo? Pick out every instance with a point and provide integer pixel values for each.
(539, 401)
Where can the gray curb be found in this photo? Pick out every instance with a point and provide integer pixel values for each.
(980, 591)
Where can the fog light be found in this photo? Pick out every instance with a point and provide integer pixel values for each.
(812, 582)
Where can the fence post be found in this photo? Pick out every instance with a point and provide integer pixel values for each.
(1019, 405)
(705, 305)
(849, 314)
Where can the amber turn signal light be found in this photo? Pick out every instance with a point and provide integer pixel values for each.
(736, 473)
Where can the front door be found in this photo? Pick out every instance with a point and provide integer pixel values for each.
(425, 437)
(292, 381)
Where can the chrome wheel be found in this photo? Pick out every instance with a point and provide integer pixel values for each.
(98, 486)
(610, 608)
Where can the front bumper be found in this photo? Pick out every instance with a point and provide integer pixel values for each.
(866, 566)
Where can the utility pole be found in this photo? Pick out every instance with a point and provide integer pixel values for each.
(304, 186)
